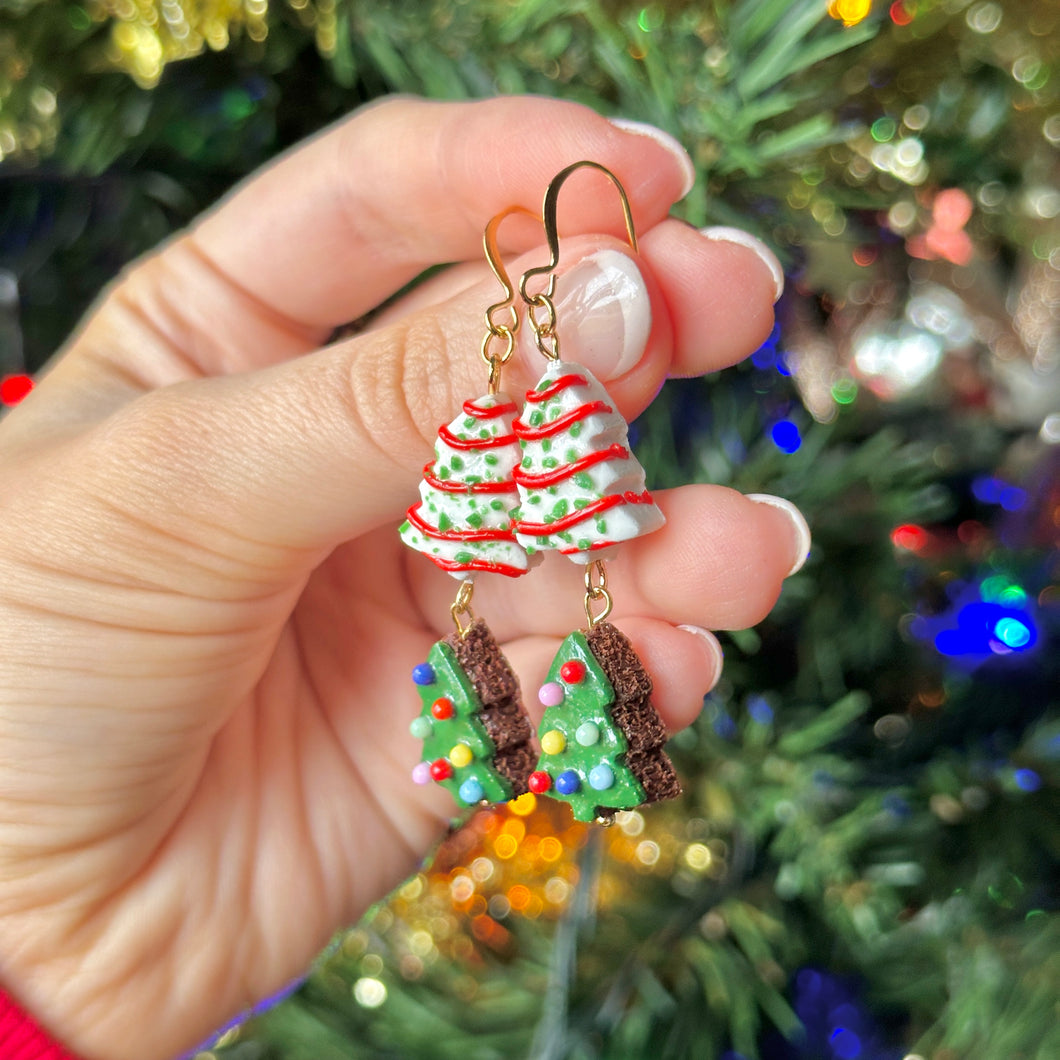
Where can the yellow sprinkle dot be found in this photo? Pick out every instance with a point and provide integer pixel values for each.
(461, 755)
(553, 742)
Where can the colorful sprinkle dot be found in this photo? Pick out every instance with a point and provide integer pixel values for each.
(539, 782)
(421, 727)
(568, 782)
(461, 756)
(601, 777)
(572, 671)
(421, 774)
(553, 742)
(442, 709)
(441, 769)
(588, 734)
(471, 791)
(551, 695)
(423, 674)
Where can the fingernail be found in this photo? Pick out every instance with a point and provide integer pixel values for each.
(663, 139)
(713, 644)
(603, 313)
(801, 545)
(724, 234)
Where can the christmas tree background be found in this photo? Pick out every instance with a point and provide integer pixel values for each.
(864, 864)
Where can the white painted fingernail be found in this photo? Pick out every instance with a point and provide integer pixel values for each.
(663, 139)
(724, 234)
(801, 546)
(603, 313)
(713, 644)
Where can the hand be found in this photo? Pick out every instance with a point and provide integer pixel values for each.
(209, 620)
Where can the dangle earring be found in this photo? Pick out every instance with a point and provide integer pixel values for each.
(581, 493)
(475, 731)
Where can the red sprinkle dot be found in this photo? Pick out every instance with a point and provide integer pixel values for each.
(539, 782)
(441, 769)
(442, 709)
(572, 672)
(14, 388)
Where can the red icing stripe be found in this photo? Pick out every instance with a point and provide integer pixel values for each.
(448, 486)
(553, 388)
(559, 474)
(480, 564)
(22, 1039)
(451, 439)
(569, 550)
(480, 413)
(414, 517)
(527, 433)
(602, 505)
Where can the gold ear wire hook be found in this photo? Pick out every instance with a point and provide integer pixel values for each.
(494, 330)
(543, 299)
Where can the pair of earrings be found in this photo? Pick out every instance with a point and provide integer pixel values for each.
(505, 486)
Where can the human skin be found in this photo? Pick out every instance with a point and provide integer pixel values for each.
(208, 618)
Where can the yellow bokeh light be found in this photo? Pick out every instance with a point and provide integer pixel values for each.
(550, 849)
(850, 12)
(524, 805)
(505, 846)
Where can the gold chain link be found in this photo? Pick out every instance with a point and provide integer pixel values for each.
(462, 607)
(544, 331)
(597, 590)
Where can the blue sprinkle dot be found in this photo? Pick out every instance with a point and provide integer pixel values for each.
(568, 782)
(421, 727)
(1027, 780)
(601, 777)
(423, 674)
(471, 791)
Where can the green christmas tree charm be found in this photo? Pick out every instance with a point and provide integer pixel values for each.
(601, 737)
(474, 731)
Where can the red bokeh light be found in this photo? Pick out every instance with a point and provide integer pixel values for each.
(14, 388)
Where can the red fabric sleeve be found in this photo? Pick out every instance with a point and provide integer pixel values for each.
(22, 1039)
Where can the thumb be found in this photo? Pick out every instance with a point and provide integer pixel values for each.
(307, 454)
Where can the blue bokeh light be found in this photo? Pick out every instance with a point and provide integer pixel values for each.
(786, 436)
(985, 628)
(759, 710)
(1027, 780)
(846, 1045)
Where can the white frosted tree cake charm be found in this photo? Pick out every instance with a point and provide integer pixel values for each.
(463, 519)
(581, 490)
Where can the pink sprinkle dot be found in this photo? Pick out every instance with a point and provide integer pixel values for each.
(552, 694)
(421, 774)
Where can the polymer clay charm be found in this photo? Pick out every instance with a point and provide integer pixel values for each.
(475, 732)
(601, 738)
(476, 735)
(463, 519)
(581, 493)
(581, 490)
